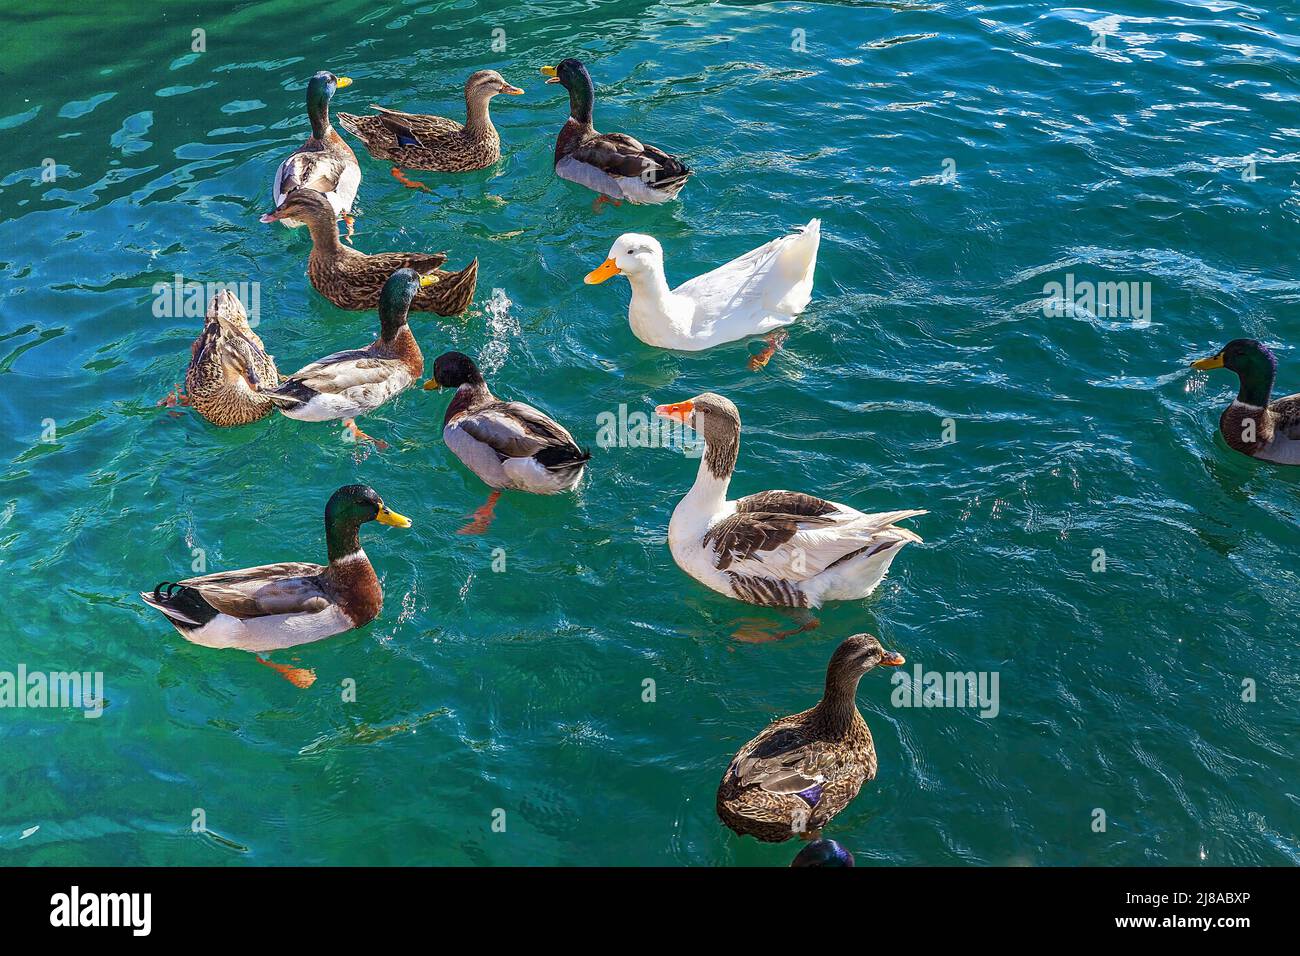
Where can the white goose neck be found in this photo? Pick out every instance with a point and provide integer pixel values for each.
(709, 493)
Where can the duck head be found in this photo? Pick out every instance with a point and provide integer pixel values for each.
(395, 299)
(306, 205)
(347, 510)
(320, 90)
(1255, 365)
(633, 255)
(573, 76)
(485, 84)
(860, 653)
(452, 370)
(717, 421)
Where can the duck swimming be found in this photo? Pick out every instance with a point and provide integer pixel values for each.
(228, 364)
(353, 280)
(347, 384)
(615, 165)
(416, 141)
(774, 548)
(325, 162)
(1252, 424)
(804, 769)
(509, 445)
(757, 293)
(275, 606)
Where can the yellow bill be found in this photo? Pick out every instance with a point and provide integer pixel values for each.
(1214, 361)
(549, 72)
(392, 518)
(426, 281)
(602, 272)
(343, 81)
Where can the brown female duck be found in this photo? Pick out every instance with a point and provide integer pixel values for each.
(416, 141)
(353, 280)
(228, 364)
(804, 769)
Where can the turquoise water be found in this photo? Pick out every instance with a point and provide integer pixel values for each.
(1125, 159)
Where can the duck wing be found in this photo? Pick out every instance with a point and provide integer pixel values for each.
(775, 279)
(516, 430)
(293, 587)
(340, 373)
(783, 760)
(621, 155)
(312, 166)
(793, 536)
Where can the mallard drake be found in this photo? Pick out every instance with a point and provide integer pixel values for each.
(415, 141)
(325, 162)
(347, 384)
(825, 853)
(228, 364)
(509, 445)
(275, 606)
(762, 290)
(1253, 425)
(774, 548)
(353, 280)
(804, 769)
(615, 165)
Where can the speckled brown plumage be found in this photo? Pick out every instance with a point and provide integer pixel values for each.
(353, 280)
(804, 769)
(417, 141)
(227, 363)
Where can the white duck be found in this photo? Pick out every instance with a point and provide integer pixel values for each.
(755, 294)
(774, 548)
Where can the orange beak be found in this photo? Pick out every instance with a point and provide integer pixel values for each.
(892, 659)
(512, 90)
(678, 411)
(602, 272)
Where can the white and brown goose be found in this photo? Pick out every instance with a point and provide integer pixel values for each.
(774, 548)
(510, 445)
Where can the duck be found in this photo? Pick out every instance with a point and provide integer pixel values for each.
(351, 279)
(773, 548)
(802, 770)
(416, 141)
(228, 364)
(325, 162)
(509, 445)
(614, 165)
(1253, 425)
(755, 294)
(823, 853)
(276, 606)
(347, 384)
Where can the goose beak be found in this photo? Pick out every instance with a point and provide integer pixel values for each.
(426, 281)
(892, 659)
(512, 90)
(432, 385)
(343, 81)
(549, 72)
(392, 518)
(1214, 361)
(272, 216)
(678, 411)
(602, 272)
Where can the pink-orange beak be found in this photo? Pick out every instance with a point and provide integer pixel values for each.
(678, 411)
(512, 90)
(602, 272)
(892, 659)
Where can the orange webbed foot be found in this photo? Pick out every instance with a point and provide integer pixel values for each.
(481, 519)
